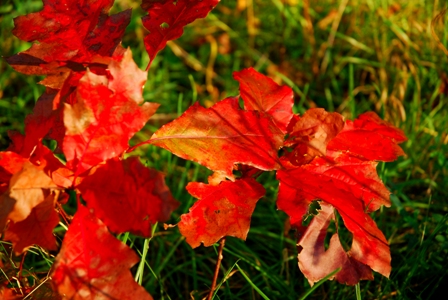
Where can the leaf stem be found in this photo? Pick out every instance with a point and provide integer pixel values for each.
(222, 242)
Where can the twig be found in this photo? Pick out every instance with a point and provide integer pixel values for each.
(218, 265)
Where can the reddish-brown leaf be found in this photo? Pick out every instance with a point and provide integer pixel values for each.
(222, 136)
(222, 210)
(27, 188)
(132, 199)
(316, 262)
(311, 133)
(107, 114)
(261, 93)
(369, 137)
(37, 228)
(92, 264)
(352, 186)
(166, 20)
(69, 36)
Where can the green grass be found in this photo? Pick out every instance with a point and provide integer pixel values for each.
(380, 57)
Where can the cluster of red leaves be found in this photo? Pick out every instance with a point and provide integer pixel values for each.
(93, 105)
(323, 158)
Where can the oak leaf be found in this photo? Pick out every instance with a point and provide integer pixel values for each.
(222, 210)
(92, 264)
(132, 199)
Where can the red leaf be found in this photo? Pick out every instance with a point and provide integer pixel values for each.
(369, 137)
(221, 136)
(167, 18)
(132, 199)
(37, 228)
(92, 264)
(106, 115)
(311, 133)
(315, 262)
(261, 93)
(353, 188)
(10, 163)
(27, 189)
(69, 35)
(222, 210)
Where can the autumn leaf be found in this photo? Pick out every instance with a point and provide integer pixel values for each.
(10, 163)
(261, 93)
(222, 136)
(369, 137)
(311, 134)
(92, 264)
(131, 200)
(68, 36)
(106, 115)
(27, 189)
(315, 261)
(37, 228)
(352, 186)
(222, 210)
(167, 18)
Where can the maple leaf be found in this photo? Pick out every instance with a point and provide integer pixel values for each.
(37, 228)
(70, 35)
(222, 210)
(315, 262)
(222, 136)
(92, 264)
(369, 137)
(10, 163)
(27, 189)
(352, 186)
(261, 93)
(106, 115)
(311, 134)
(167, 18)
(131, 200)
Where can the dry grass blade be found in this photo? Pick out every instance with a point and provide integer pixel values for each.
(433, 33)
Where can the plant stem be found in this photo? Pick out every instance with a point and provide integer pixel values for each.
(358, 291)
(218, 265)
